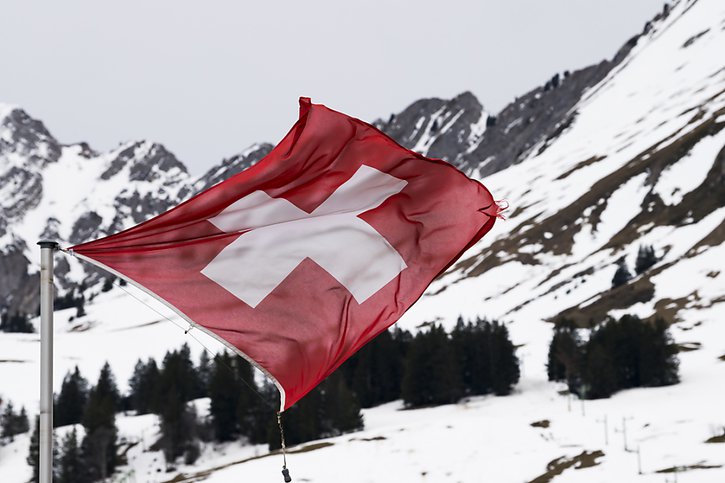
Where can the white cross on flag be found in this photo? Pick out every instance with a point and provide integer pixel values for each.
(300, 260)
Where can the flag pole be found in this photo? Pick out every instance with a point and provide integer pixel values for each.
(47, 249)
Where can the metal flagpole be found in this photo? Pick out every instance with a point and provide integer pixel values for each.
(47, 249)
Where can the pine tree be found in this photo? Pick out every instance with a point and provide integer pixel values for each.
(80, 306)
(72, 399)
(504, 363)
(12, 423)
(658, 362)
(432, 375)
(178, 428)
(247, 396)
(189, 372)
(178, 373)
(600, 379)
(263, 412)
(8, 422)
(16, 322)
(224, 393)
(144, 387)
(341, 408)
(464, 347)
(204, 374)
(622, 275)
(107, 284)
(99, 420)
(178, 382)
(71, 468)
(646, 258)
(22, 423)
(33, 458)
(565, 353)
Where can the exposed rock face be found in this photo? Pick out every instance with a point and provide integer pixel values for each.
(439, 128)
(26, 147)
(231, 166)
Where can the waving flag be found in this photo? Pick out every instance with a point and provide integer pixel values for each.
(300, 260)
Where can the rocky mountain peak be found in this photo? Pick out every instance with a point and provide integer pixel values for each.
(437, 127)
(145, 160)
(232, 165)
(24, 140)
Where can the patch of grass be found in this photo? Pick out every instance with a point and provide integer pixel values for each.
(202, 475)
(717, 439)
(668, 308)
(622, 297)
(681, 469)
(714, 238)
(374, 438)
(304, 449)
(688, 346)
(556, 467)
(722, 358)
(580, 165)
(544, 423)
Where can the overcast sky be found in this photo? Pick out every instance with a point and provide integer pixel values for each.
(208, 78)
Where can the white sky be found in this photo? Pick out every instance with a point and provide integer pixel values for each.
(208, 78)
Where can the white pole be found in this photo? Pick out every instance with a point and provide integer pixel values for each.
(606, 429)
(46, 360)
(624, 432)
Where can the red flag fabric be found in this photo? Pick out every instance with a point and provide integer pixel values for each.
(300, 260)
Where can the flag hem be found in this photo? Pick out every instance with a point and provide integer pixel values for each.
(191, 322)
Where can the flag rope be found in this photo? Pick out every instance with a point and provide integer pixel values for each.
(186, 331)
(285, 471)
(212, 353)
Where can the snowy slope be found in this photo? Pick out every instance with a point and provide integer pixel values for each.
(612, 177)
(640, 161)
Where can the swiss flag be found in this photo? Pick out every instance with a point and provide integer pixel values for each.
(300, 260)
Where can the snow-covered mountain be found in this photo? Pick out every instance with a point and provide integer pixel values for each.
(594, 163)
(71, 193)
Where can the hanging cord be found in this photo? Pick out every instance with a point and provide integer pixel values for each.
(285, 471)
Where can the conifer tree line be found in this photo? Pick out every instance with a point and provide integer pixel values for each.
(93, 457)
(436, 367)
(432, 367)
(619, 354)
(12, 422)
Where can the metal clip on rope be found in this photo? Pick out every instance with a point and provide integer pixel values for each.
(285, 471)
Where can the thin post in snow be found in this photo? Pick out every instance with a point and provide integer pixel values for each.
(606, 429)
(624, 432)
(47, 250)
